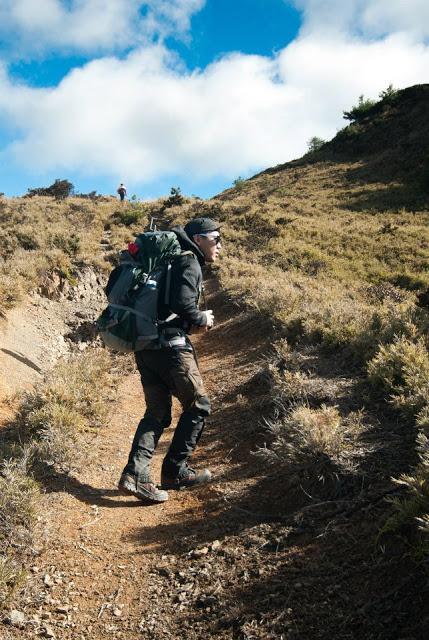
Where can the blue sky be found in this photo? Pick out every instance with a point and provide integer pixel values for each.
(190, 93)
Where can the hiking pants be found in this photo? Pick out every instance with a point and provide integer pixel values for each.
(165, 373)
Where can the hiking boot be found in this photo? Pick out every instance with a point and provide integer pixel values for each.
(129, 485)
(188, 478)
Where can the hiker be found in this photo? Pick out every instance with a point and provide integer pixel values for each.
(172, 370)
(122, 191)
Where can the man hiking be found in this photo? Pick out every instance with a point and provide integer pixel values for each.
(173, 370)
(122, 191)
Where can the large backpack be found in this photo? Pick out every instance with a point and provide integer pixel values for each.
(130, 321)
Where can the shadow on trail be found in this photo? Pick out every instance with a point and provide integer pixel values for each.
(57, 482)
(23, 359)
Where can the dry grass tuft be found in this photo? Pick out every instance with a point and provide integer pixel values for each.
(19, 496)
(313, 439)
(73, 399)
(402, 370)
(414, 507)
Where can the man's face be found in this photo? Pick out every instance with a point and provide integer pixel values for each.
(209, 244)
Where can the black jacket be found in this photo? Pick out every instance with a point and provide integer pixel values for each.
(185, 287)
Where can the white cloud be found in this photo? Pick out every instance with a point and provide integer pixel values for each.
(145, 117)
(142, 118)
(174, 16)
(380, 17)
(369, 18)
(36, 26)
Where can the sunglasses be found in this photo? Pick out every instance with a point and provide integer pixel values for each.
(217, 238)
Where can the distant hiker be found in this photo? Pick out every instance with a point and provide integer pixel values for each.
(122, 191)
(172, 370)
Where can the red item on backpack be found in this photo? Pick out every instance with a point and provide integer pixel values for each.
(133, 248)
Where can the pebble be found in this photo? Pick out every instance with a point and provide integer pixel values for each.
(16, 618)
(63, 609)
(47, 580)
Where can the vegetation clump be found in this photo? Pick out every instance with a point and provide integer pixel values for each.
(19, 499)
(359, 111)
(73, 400)
(414, 506)
(59, 190)
(175, 199)
(129, 215)
(315, 144)
(401, 369)
(315, 445)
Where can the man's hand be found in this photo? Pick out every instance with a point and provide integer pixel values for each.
(210, 318)
(205, 327)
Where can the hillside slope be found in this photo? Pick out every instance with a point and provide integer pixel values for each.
(318, 370)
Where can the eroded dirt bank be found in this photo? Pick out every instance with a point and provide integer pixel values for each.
(53, 322)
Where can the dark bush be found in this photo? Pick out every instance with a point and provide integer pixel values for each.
(69, 244)
(359, 111)
(315, 143)
(175, 199)
(128, 216)
(27, 241)
(59, 190)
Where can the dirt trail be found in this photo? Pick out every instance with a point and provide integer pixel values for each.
(91, 579)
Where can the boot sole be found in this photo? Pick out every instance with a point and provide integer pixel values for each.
(147, 497)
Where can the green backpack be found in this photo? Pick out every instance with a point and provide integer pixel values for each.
(130, 321)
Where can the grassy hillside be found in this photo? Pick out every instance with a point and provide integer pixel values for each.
(333, 250)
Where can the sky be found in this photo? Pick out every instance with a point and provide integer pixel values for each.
(189, 93)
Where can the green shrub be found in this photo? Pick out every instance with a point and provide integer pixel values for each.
(175, 198)
(8, 244)
(239, 183)
(60, 190)
(27, 241)
(127, 216)
(314, 144)
(388, 94)
(69, 244)
(359, 111)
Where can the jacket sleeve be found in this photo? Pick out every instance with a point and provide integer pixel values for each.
(186, 279)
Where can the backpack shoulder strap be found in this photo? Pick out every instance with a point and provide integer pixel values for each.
(168, 276)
